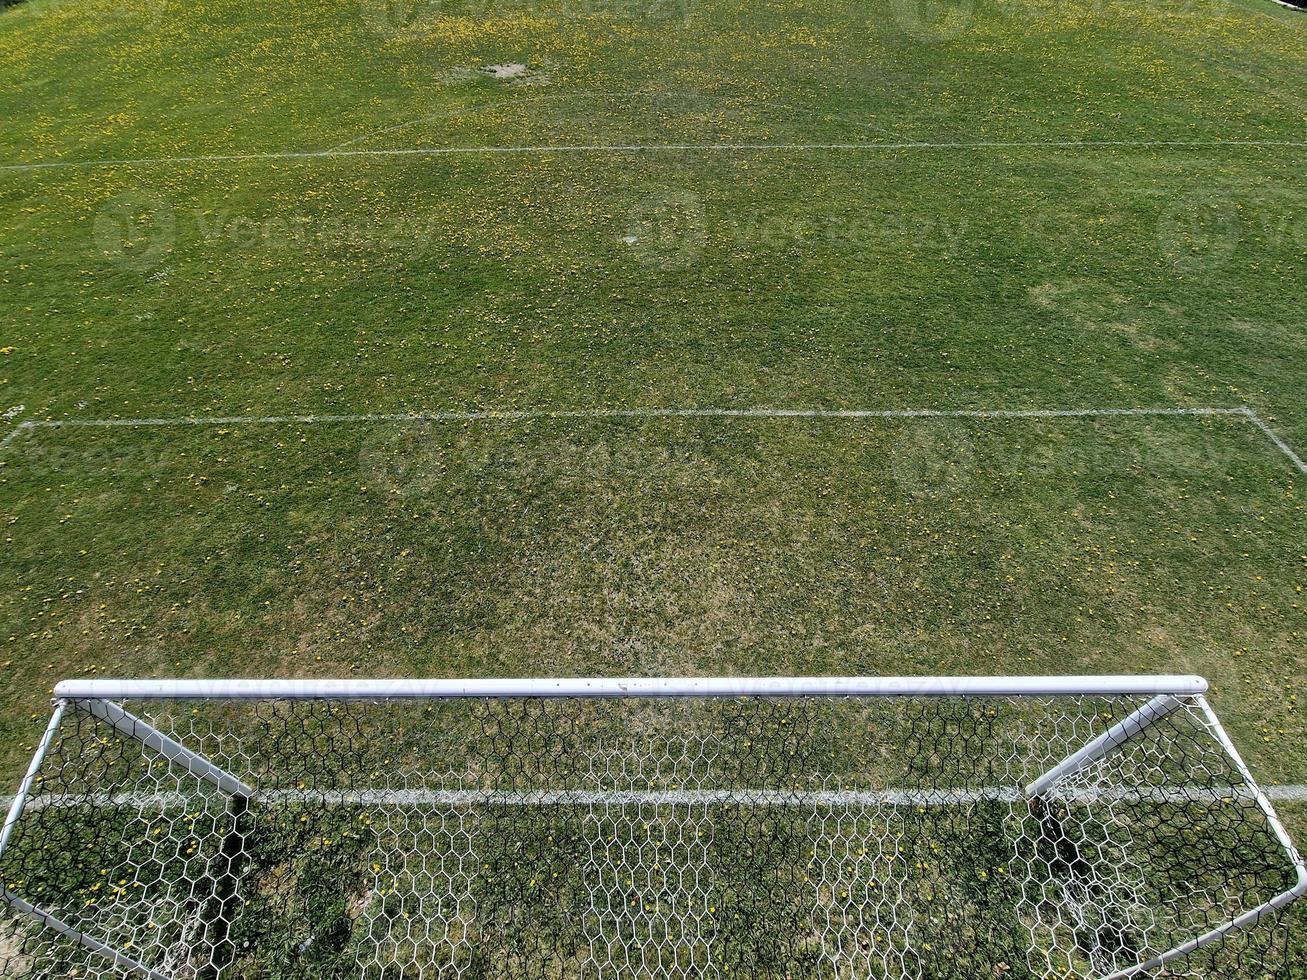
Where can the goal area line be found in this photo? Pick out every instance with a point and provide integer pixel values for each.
(544, 414)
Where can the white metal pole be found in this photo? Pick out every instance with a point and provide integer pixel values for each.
(77, 936)
(160, 744)
(1116, 736)
(25, 788)
(618, 687)
(1263, 802)
(1252, 916)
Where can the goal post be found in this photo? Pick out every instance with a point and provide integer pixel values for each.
(835, 827)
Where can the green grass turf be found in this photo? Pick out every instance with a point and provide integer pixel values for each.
(947, 277)
(738, 546)
(969, 277)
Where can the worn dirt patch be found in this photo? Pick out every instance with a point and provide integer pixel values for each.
(511, 71)
(12, 956)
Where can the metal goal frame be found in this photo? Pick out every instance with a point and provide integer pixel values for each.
(1160, 696)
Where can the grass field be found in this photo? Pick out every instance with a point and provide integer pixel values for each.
(329, 207)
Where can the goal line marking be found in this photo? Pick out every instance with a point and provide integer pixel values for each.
(637, 148)
(510, 415)
(1290, 793)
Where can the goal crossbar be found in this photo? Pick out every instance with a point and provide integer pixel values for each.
(642, 687)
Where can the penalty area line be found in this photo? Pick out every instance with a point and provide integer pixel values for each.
(544, 414)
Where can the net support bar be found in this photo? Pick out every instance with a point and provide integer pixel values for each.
(29, 780)
(79, 937)
(16, 810)
(161, 745)
(1249, 918)
(1116, 736)
(1252, 916)
(1273, 819)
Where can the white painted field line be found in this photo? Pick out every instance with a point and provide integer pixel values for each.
(511, 415)
(641, 148)
(1275, 438)
(14, 433)
(1293, 793)
(518, 415)
(761, 797)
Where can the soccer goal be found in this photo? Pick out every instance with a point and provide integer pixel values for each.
(936, 828)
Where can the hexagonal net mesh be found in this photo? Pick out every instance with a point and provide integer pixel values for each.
(863, 837)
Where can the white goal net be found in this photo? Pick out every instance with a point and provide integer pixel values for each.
(933, 828)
